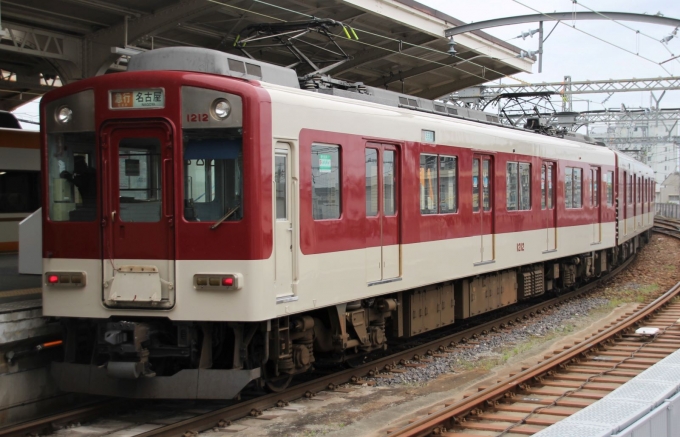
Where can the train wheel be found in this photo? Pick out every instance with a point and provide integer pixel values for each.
(276, 384)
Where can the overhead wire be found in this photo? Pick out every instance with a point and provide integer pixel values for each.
(637, 31)
(596, 37)
(378, 36)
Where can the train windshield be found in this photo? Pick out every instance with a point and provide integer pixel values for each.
(213, 177)
(72, 173)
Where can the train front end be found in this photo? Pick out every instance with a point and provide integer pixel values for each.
(157, 231)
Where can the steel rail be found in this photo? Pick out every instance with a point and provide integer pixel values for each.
(49, 424)
(255, 406)
(441, 419)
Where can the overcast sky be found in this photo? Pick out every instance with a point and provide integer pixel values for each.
(570, 52)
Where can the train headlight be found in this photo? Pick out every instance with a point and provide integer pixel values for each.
(220, 109)
(64, 114)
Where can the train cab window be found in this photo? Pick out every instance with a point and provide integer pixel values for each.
(609, 181)
(72, 176)
(19, 191)
(438, 184)
(518, 190)
(213, 175)
(326, 192)
(573, 196)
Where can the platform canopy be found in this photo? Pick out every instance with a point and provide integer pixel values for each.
(398, 44)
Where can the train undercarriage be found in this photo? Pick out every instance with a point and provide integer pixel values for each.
(158, 358)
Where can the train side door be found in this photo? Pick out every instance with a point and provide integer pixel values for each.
(283, 232)
(138, 214)
(596, 203)
(548, 175)
(383, 251)
(482, 206)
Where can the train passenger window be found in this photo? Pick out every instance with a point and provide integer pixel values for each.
(475, 185)
(572, 187)
(72, 173)
(610, 187)
(19, 191)
(428, 182)
(326, 192)
(213, 174)
(438, 184)
(518, 190)
(448, 190)
(371, 182)
(389, 183)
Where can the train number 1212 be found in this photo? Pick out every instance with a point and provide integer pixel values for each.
(520, 247)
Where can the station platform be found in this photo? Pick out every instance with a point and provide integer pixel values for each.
(646, 406)
(13, 282)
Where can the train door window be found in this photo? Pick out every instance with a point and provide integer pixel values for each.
(543, 186)
(511, 191)
(389, 183)
(448, 189)
(572, 187)
(139, 179)
(428, 182)
(72, 173)
(326, 189)
(609, 181)
(594, 188)
(213, 174)
(281, 180)
(518, 190)
(629, 182)
(551, 188)
(486, 184)
(639, 190)
(475, 185)
(371, 182)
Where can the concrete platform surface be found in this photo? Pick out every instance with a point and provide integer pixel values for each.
(10, 279)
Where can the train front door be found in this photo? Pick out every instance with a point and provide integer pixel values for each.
(483, 207)
(283, 232)
(548, 175)
(138, 214)
(383, 252)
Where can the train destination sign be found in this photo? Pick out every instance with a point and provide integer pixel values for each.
(138, 99)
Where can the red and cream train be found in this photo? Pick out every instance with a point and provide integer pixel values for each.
(208, 223)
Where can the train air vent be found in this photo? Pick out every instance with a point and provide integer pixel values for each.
(413, 102)
(452, 111)
(237, 66)
(254, 70)
(403, 101)
(439, 108)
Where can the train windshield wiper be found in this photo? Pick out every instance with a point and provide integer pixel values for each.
(226, 216)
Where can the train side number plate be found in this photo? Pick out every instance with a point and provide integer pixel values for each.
(137, 99)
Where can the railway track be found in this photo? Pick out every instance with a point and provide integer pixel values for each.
(563, 383)
(396, 362)
(667, 226)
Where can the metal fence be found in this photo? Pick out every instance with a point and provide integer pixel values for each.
(671, 210)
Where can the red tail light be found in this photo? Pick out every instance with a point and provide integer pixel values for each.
(53, 279)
